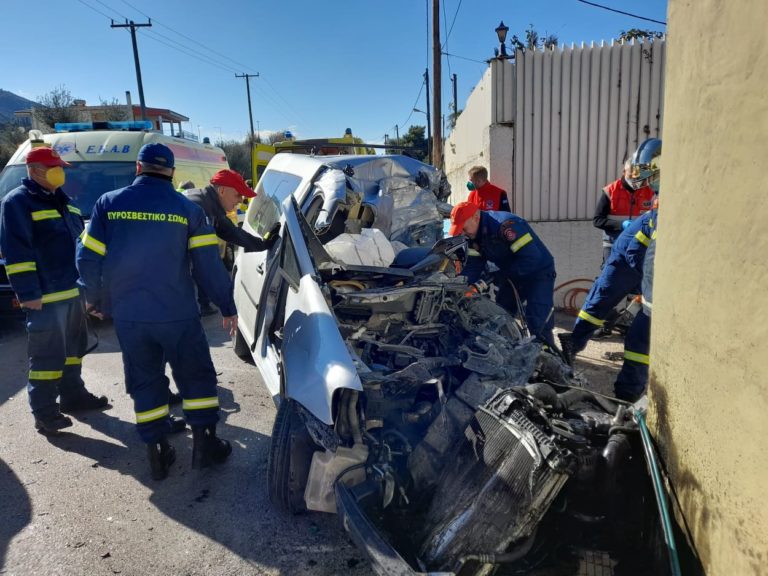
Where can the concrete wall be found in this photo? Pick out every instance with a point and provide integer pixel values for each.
(470, 141)
(577, 248)
(709, 366)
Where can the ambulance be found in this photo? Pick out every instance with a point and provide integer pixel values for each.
(103, 157)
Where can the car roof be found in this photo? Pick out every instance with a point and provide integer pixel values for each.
(306, 166)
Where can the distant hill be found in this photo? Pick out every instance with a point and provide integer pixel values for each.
(10, 103)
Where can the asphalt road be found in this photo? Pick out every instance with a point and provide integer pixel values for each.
(83, 503)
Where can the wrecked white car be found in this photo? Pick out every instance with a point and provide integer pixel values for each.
(448, 441)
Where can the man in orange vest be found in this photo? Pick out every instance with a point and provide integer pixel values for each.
(621, 202)
(483, 194)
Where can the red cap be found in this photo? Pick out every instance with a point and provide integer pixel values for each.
(462, 212)
(233, 180)
(45, 156)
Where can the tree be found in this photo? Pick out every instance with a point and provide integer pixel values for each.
(113, 110)
(533, 40)
(58, 105)
(638, 34)
(238, 152)
(11, 136)
(415, 137)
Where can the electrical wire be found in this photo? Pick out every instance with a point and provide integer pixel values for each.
(444, 45)
(404, 124)
(465, 58)
(195, 41)
(622, 12)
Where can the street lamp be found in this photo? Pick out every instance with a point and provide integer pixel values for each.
(501, 32)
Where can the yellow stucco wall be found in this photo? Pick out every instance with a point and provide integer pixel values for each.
(709, 367)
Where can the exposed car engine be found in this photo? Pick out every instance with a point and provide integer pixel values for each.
(472, 448)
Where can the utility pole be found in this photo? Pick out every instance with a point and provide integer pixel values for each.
(397, 133)
(455, 100)
(437, 56)
(248, 91)
(132, 25)
(429, 116)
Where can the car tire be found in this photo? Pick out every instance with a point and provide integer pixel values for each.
(240, 347)
(290, 456)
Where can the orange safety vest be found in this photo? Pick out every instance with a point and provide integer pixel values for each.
(625, 205)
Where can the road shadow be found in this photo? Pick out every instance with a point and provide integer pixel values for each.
(229, 503)
(15, 508)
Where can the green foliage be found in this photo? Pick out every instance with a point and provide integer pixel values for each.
(416, 138)
(11, 136)
(639, 34)
(55, 106)
(533, 40)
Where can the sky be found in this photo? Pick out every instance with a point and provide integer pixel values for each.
(323, 65)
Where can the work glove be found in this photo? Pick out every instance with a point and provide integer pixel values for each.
(476, 289)
(625, 224)
(271, 237)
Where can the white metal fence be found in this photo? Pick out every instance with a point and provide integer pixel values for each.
(577, 113)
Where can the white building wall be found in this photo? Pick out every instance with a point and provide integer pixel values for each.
(552, 130)
(470, 140)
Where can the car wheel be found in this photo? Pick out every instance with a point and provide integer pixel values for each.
(240, 347)
(290, 456)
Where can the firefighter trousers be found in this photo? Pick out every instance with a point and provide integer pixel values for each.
(146, 349)
(614, 283)
(631, 381)
(57, 339)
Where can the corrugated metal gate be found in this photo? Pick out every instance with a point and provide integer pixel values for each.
(577, 113)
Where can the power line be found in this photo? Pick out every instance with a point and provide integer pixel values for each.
(196, 42)
(183, 50)
(622, 12)
(108, 17)
(445, 44)
(404, 124)
(465, 58)
(455, 14)
(164, 40)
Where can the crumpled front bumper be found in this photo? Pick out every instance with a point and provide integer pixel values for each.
(384, 559)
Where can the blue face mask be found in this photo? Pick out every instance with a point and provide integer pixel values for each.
(470, 186)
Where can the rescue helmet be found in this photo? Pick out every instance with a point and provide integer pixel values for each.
(645, 165)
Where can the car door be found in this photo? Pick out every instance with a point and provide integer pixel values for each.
(300, 351)
(250, 267)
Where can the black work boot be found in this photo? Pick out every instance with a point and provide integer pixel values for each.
(566, 345)
(85, 401)
(52, 424)
(177, 424)
(207, 449)
(161, 456)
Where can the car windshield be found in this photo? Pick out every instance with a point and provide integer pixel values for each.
(86, 181)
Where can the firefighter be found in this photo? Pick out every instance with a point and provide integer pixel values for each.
(623, 271)
(137, 259)
(222, 196)
(483, 194)
(621, 201)
(38, 233)
(633, 378)
(526, 268)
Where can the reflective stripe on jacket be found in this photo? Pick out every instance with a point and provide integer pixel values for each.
(38, 236)
(142, 247)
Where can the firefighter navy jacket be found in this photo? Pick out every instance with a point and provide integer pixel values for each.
(38, 235)
(141, 250)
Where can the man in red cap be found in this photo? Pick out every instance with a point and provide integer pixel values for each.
(526, 268)
(225, 192)
(39, 228)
